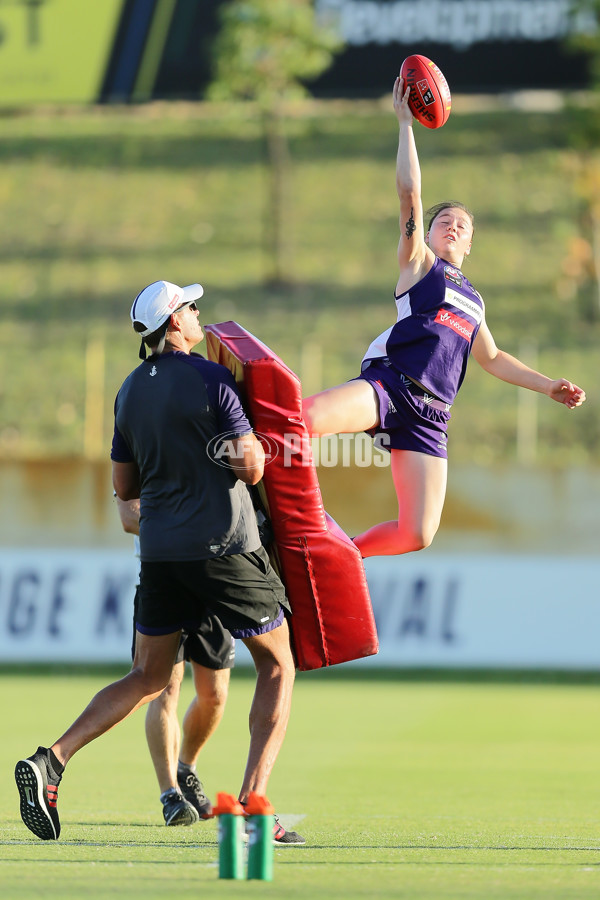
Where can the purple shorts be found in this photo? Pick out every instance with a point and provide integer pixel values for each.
(406, 420)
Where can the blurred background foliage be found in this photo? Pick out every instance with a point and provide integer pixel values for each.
(265, 51)
(100, 201)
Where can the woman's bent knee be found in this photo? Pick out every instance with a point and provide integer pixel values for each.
(415, 539)
(422, 542)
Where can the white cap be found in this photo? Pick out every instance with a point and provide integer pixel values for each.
(155, 304)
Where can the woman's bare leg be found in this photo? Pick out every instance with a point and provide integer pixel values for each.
(344, 409)
(419, 479)
(420, 482)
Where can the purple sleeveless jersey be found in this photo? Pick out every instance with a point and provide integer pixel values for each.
(438, 320)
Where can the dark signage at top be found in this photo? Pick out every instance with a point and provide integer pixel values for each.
(480, 46)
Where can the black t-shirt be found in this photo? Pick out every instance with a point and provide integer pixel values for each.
(171, 415)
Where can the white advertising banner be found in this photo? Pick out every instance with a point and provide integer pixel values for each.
(487, 611)
(431, 611)
(66, 606)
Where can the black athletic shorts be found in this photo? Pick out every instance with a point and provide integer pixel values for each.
(210, 645)
(242, 590)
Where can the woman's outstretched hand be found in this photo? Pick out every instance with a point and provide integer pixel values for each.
(566, 392)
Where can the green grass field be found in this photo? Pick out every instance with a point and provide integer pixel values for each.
(99, 202)
(407, 788)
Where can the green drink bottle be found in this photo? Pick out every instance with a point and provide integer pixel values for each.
(230, 815)
(260, 837)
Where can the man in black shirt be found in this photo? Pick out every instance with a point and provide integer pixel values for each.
(184, 446)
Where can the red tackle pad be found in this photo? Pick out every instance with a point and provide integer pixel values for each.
(321, 568)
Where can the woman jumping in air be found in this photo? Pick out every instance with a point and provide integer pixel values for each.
(411, 373)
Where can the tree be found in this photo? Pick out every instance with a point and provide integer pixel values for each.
(582, 262)
(263, 53)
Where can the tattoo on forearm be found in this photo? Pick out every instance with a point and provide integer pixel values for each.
(410, 225)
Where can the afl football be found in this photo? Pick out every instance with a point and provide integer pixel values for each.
(429, 99)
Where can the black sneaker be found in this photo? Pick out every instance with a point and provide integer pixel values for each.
(193, 791)
(38, 787)
(177, 810)
(283, 838)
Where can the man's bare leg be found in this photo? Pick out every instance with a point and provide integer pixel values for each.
(152, 666)
(204, 712)
(162, 731)
(270, 710)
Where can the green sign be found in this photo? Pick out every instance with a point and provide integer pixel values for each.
(54, 50)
